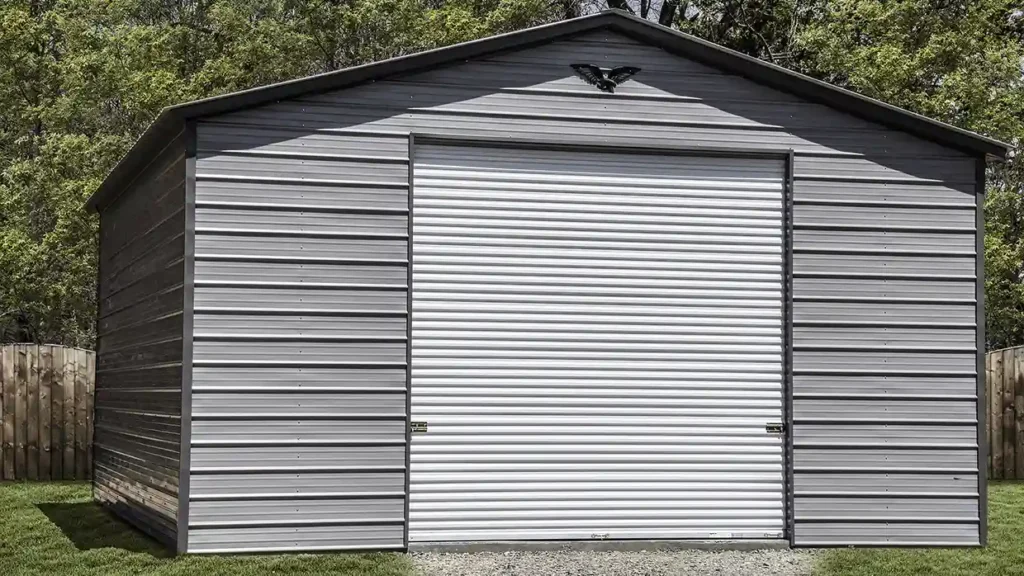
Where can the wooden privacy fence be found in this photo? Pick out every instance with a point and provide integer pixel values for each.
(1004, 374)
(46, 399)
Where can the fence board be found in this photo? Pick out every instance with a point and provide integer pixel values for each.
(990, 363)
(20, 411)
(56, 413)
(81, 376)
(68, 422)
(1009, 437)
(45, 378)
(996, 387)
(32, 417)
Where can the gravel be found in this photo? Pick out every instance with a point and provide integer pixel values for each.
(617, 563)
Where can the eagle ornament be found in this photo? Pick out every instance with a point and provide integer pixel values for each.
(606, 81)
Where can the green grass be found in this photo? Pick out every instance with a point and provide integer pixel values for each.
(1004, 555)
(54, 529)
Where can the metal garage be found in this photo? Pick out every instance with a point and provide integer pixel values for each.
(468, 296)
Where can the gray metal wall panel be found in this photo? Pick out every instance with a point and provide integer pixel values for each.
(263, 245)
(300, 194)
(256, 271)
(298, 327)
(295, 538)
(891, 410)
(884, 193)
(299, 359)
(302, 483)
(883, 434)
(903, 485)
(882, 288)
(882, 386)
(225, 459)
(882, 311)
(893, 241)
(886, 459)
(883, 337)
(931, 533)
(889, 509)
(245, 513)
(139, 348)
(883, 228)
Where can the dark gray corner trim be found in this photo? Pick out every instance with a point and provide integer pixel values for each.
(787, 342)
(97, 378)
(408, 348)
(981, 345)
(170, 119)
(185, 451)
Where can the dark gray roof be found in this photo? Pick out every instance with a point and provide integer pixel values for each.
(170, 121)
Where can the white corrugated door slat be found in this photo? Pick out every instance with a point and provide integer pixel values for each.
(596, 346)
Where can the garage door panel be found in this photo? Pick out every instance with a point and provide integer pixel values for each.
(596, 346)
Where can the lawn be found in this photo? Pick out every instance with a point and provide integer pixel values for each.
(55, 530)
(1004, 555)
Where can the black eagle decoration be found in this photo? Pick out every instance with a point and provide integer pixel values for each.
(605, 81)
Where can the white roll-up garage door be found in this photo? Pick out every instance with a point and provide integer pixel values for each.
(596, 346)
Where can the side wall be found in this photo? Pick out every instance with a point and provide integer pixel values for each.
(139, 348)
(306, 199)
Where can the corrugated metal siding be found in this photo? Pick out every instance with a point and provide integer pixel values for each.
(883, 236)
(298, 392)
(573, 388)
(139, 348)
(885, 351)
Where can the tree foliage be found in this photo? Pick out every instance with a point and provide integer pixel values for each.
(81, 79)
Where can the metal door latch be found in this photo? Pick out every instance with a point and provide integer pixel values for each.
(775, 428)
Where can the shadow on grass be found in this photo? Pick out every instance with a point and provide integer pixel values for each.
(89, 526)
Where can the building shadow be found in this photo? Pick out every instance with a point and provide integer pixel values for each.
(89, 526)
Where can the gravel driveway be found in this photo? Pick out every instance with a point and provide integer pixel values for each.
(615, 563)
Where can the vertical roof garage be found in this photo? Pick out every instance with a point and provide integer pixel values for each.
(487, 293)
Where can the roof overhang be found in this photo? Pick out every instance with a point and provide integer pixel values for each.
(170, 120)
